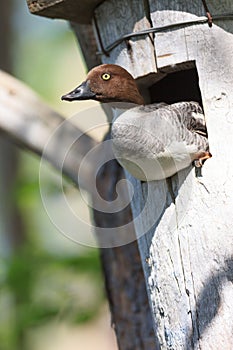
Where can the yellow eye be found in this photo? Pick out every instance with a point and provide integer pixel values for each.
(106, 76)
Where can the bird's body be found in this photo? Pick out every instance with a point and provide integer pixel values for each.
(154, 153)
(154, 141)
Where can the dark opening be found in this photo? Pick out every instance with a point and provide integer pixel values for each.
(176, 87)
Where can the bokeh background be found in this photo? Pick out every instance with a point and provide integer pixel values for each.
(51, 289)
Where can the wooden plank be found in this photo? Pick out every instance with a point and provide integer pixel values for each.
(87, 43)
(170, 46)
(195, 7)
(115, 19)
(186, 246)
(124, 278)
(222, 7)
(72, 10)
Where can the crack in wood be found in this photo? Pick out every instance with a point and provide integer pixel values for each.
(195, 322)
(177, 280)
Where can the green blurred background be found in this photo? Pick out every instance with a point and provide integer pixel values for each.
(51, 289)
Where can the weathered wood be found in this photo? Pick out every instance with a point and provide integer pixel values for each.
(170, 46)
(124, 279)
(223, 7)
(71, 10)
(187, 248)
(87, 42)
(34, 125)
(123, 17)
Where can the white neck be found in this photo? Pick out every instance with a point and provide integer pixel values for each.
(117, 113)
(120, 107)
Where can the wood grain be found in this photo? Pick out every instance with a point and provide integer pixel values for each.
(187, 248)
(71, 10)
(115, 19)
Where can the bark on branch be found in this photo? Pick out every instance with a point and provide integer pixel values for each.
(26, 119)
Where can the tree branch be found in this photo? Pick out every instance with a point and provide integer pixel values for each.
(37, 127)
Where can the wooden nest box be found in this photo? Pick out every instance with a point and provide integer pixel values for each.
(186, 245)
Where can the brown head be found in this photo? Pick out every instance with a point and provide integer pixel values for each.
(107, 83)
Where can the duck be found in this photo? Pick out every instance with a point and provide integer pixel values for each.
(151, 141)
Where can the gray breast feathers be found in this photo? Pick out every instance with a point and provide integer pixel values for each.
(164, 133)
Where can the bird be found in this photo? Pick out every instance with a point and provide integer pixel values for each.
(151, 141)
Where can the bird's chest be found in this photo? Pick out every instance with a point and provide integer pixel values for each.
(158, 167)
(150, 148)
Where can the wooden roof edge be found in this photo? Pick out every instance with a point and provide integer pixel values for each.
(71, 10)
